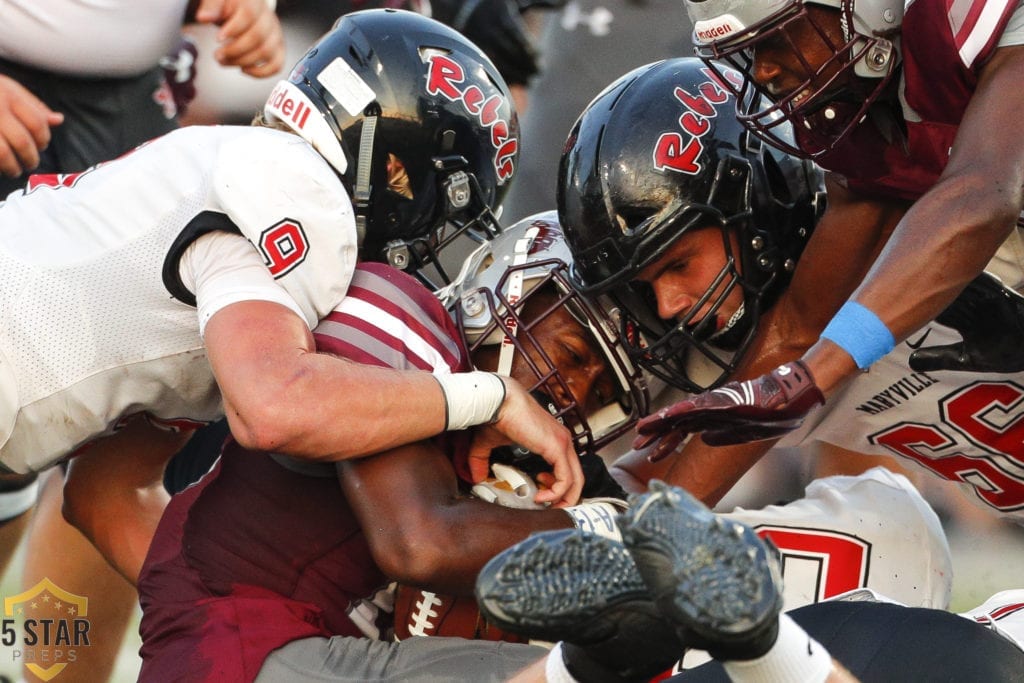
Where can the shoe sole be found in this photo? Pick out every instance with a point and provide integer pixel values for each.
(563, 583)
(709, 575)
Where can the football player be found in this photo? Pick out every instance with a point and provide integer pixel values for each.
(179, 283)
(712, 230)
(271, 566)
(910, 105)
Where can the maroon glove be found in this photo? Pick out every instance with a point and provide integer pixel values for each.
(737, 412)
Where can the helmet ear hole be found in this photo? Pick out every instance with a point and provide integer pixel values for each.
(398, 177)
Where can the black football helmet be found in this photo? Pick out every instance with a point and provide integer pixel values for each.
(660, 152)
(418, 123)
(508, 288)
(835, 96)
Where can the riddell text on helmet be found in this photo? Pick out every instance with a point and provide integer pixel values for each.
(291, 108)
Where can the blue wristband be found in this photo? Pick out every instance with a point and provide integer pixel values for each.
(859, 332)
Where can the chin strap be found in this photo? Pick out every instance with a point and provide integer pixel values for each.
(514, 294)
(361, 191)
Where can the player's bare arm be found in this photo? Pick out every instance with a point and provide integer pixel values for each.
(280, 395)
(116, 502)
(268, 387)
(976, 202)
(422, 530)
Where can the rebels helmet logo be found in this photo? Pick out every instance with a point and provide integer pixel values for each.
(681, 151)
(444, 77)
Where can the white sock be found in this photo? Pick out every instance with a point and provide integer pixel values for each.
(795, 656)
(554, 667)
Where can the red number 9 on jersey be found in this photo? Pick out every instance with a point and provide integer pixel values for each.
(284, 246)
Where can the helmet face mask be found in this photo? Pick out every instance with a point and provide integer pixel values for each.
(696, 350)
(463, 215)
(520, 309)
(855, 56)
(659, 157)
(417, 122)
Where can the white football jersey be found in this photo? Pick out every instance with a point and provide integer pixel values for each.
(90, 332)
(1002, 613)
(962, 426)
(872, 531)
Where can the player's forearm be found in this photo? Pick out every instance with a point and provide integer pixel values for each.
(332, 410)
(957, 225)
(435, 537)
(953, 230)
(940, 246)
(446, 555)
(632, 470)
(708, 472)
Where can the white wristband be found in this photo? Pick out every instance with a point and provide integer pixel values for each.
(596, 517)
(471, 398)
(795, 656)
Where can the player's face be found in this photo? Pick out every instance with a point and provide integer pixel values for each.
(788, 59)
(685, 272)
(571, 349)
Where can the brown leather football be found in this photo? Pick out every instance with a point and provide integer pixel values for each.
(422, 613)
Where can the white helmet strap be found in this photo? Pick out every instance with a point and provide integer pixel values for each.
(514, 294)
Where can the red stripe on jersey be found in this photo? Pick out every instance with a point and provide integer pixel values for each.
(441, 320)
(963, 17)
(980, 23)
(428, 319)
(1006, 610)
(412, 331)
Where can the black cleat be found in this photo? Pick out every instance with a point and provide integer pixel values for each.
(583, 589)
(712, 577)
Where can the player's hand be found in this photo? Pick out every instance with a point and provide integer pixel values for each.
(990, 318)
(496, 27)
(250, 35)
(523, 421)
(766, 407)
(25, 124)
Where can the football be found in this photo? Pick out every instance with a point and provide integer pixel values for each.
(422, 613)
